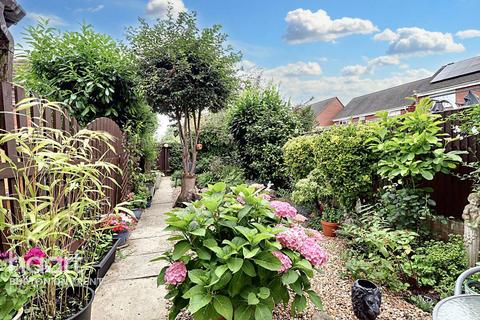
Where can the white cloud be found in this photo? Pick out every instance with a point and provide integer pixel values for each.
(370, 65)
(306, 26)
(354, 70)
(91, 9)
(297, 69)
(386, 35)
(418, 41)
(159, 8)
(53, 20)
(467, 34)
(301, 89)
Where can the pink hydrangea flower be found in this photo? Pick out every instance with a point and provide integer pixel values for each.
(292, 238)
(312, 233)
(283, 209)
(284, 259)
(176, 273)
(299, 218)
(34, 256)
(315, 254)
(265, 196)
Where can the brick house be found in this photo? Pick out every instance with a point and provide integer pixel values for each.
(453, 86)
(326, 110)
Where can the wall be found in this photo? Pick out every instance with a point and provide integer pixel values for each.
(325, 118)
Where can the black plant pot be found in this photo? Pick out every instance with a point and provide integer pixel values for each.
(122, 238)
(86, 312)
(366, 300)
(103, 266)
(138, 213)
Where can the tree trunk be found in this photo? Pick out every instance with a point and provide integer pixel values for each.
(188, 192)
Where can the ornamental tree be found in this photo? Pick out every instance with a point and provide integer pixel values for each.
(185, 71)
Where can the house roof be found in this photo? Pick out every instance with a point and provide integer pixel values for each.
(395, 97)
(319, 107)
(12, 11)
(391, 98)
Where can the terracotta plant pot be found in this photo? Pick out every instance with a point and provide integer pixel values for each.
(329, 228)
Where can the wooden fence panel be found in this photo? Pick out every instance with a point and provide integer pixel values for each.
(451, 192)
(9, 96)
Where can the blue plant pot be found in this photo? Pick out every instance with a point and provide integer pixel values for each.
(138, 213)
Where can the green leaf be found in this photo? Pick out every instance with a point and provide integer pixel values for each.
(161, 276)
(268, 261)
(203, 254)
(243, 312)
(199, 232)
(197, 276)
(263, 312)
(223, 306)
(180, 249)
(249, 268)
(315, 298)
(198, 289)
(263, 293)
(300, 303)
(289, 277)
(244, 211)
(199, 301)
(252, 299)
(235, 264)
(250, 253)
(220, 270)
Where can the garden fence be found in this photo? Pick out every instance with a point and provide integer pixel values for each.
(10, 95)
(450, 192)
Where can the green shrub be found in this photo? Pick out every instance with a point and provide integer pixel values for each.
(299, 156)
(378, 254)
(219, 171)
(406, 208)
(344, 166)
(230, 253)
(410, 146)
(261, 123)
(437, 264)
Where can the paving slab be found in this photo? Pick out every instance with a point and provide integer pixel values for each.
(129, 290)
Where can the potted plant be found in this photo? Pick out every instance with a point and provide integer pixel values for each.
(57, 201)
(120, 224)
(105, 249)
(17, 288)
(331, 217)
(242, 256)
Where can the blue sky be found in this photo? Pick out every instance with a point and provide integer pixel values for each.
(310, 48)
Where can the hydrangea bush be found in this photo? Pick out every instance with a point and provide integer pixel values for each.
(237, 255)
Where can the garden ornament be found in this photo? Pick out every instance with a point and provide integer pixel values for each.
(366, 300)
(471, 216)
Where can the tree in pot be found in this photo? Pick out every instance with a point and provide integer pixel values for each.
(185, 71)
(331, 217)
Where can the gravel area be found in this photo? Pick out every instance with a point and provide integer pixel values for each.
(335, 291)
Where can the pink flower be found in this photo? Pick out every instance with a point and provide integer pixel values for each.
(240, 200)
(176, 273)
(299, 218)
(283, 209)
(265, 196)
(34, 256)
(312, 233)
(284, 259)
(315, 254)
(292, 238)
(63, 262)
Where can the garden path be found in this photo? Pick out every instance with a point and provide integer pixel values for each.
(129, 290)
